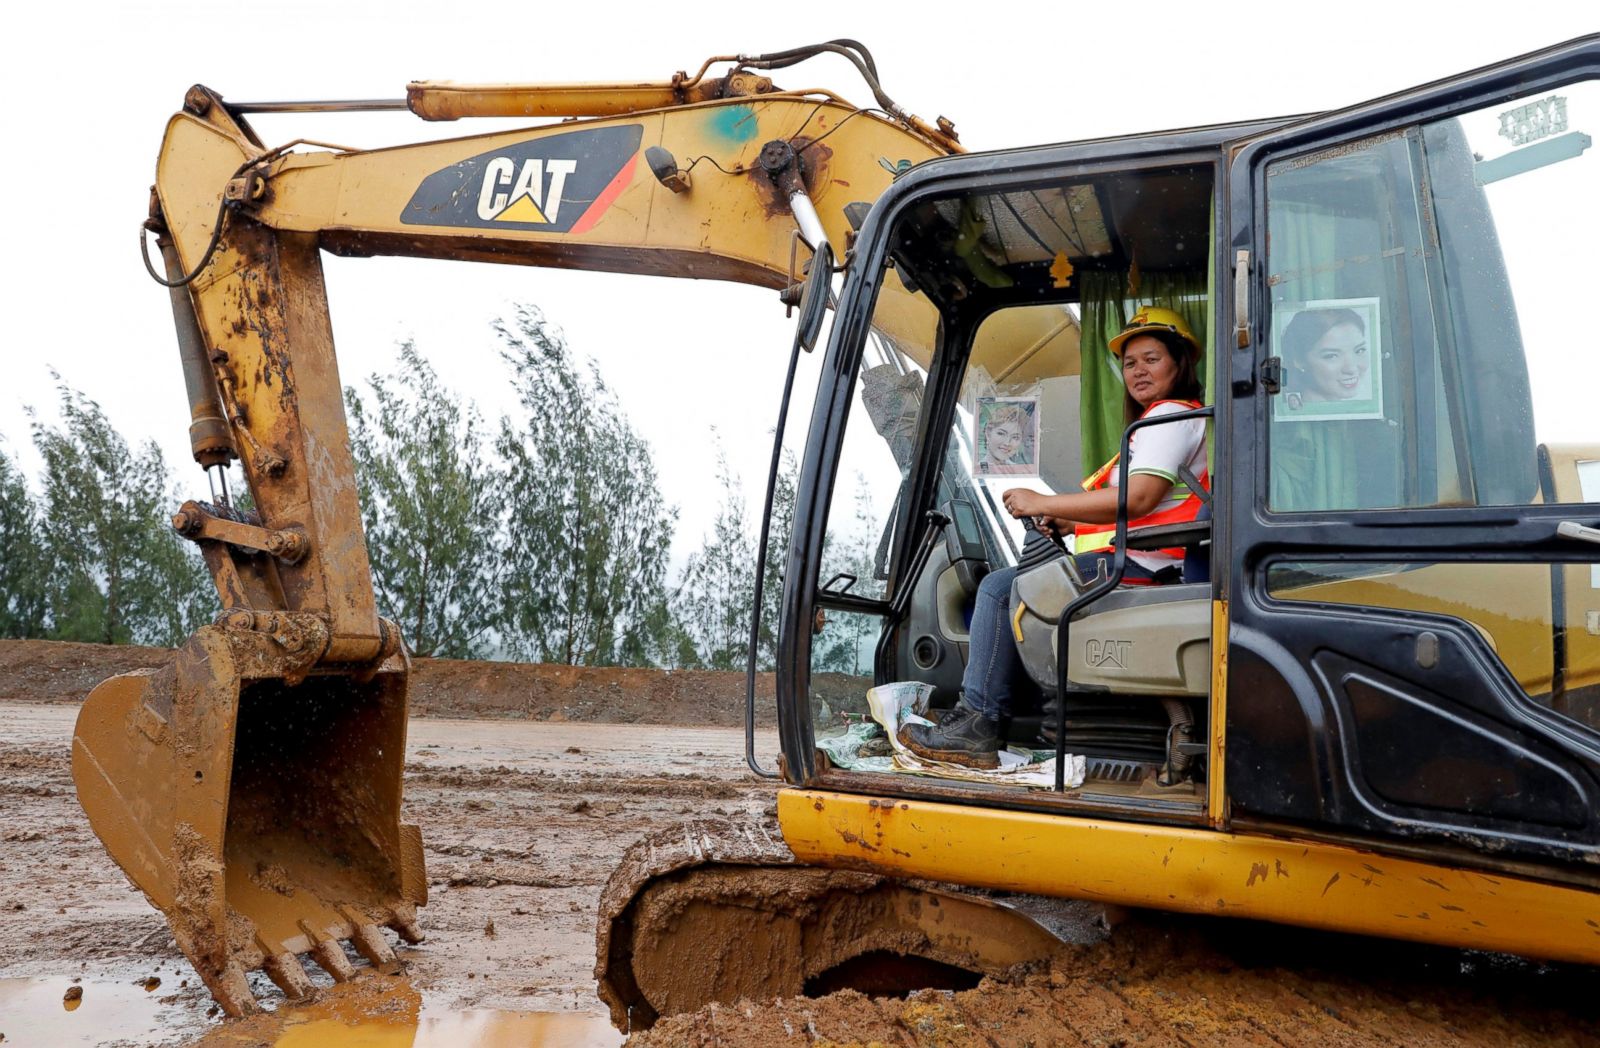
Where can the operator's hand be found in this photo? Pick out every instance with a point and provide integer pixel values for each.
(1020, 502)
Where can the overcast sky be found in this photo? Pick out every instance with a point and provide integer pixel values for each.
(90, 86)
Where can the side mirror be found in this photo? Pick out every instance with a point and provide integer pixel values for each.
(814, 296)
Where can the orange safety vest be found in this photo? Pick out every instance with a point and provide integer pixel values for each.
(1092, 538)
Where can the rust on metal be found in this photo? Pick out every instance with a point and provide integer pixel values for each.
(810, 166)
(201, 523)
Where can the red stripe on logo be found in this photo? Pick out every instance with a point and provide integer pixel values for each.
(604, 200)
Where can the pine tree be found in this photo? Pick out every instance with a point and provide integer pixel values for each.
(589, 534)
(430, 503)
(845, 645)
(717, 588)
(22, 565)
(779, 533)
(117, 572)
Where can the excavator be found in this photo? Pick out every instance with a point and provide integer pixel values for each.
(1371, 703)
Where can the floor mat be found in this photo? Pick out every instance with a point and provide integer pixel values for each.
(873, 746)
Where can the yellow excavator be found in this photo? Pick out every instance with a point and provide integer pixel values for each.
(1371, 703)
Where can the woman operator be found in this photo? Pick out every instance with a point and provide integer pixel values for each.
(1159, 357)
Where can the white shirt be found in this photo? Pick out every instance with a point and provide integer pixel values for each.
(1160, 451)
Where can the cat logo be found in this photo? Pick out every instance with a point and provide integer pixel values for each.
(553, 183)
(528, 199)
(1107, 654)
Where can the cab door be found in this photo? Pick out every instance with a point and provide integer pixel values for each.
(1412, 591)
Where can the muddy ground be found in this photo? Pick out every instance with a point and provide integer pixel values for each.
(523, 817)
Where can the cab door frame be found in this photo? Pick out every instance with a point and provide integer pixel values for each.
(1288, 763)
(847, 343)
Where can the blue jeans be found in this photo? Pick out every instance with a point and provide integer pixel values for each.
(993, 664)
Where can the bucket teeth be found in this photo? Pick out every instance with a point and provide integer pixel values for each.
(285, 971)
(369, 942)
(330, 955)
(408, 931)
(232, 991)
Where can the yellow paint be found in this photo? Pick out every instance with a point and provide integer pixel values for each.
(1285, 880)
(1508, 603)
(524, 210)
(1216, 760)
(1026, 344)
(1061, 271)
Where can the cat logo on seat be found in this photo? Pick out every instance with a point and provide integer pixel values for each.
(1107, 654)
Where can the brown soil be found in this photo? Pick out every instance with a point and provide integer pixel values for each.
(62, 672)
(524, 818)
(1164, 980)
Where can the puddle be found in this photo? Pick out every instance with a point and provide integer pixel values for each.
(368, 1012)
(47, 1013)
(469, 1029)
(383, 1012)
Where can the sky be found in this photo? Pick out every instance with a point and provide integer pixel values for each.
(91, 85)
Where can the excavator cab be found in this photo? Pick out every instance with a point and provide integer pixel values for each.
(1389, 656)
(1020, 284)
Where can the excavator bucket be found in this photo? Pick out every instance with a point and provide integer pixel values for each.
(257, 808)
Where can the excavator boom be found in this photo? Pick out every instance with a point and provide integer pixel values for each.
(252, 787)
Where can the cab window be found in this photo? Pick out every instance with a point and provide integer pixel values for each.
(1428, 289)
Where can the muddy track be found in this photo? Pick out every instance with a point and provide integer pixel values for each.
(1165, 980)
(524, 821)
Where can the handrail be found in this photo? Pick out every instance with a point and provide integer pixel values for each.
(761, 568)
(1103, 583)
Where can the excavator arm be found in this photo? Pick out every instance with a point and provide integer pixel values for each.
(252, 787)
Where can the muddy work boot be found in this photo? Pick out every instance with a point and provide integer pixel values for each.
(960, 736)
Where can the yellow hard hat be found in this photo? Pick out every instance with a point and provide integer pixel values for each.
(1155, 318)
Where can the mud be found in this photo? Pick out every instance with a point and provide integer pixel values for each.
(525, 816)
(523, 823)
(731, 932)
(1192, 981)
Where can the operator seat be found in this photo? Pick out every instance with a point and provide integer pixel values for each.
(1136, 640)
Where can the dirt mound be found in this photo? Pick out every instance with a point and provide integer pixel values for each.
(450, 688)
(63, 672)
(58, 671)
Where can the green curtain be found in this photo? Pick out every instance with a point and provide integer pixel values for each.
(1106, 306)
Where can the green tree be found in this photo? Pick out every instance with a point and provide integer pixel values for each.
(667, 643)
(430, 502)
(22, 566)
(717, 587)
(845, 645)
(589, 534)
(117, 572)
(779, 531)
